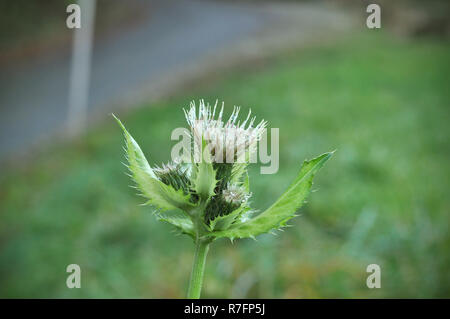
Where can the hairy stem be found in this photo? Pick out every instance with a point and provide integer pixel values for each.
(198, 269)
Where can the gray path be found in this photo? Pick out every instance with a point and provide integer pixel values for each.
(33, 97)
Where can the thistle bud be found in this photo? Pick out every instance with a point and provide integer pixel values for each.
(235, 195)
(232, 198)
(175, 175)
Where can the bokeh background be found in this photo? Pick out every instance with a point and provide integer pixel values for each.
(311, 68)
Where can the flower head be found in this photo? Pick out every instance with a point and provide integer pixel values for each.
(228, 141)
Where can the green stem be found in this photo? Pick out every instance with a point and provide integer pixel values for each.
(198, 269)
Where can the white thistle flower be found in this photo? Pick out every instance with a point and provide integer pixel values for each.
(227, 141)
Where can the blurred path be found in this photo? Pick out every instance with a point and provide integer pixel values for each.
(177, 35)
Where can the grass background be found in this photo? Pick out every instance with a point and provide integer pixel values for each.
(382, 102)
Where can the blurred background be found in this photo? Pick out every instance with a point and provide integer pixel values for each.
(311, 68)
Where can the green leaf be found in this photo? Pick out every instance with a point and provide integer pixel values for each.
(246, 183)
(283, 209)
(224, 222)
(164, 196)
(205, 176)
(158, 194)
(181, 222)
(237, 172)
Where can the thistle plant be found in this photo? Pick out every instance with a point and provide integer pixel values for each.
(206, 194)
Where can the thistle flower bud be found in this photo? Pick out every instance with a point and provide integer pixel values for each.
(175, 175)
(230, 199)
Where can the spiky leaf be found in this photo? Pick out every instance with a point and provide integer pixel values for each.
(283, 209)
(182, 222)
(158, 194)
(246, 183)
(223, 222)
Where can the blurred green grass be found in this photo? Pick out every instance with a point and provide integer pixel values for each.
(382, 102)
